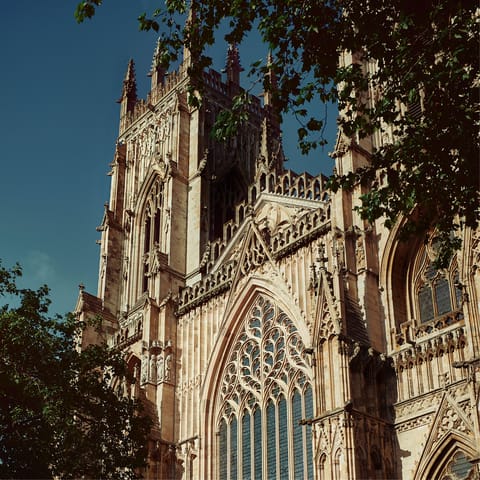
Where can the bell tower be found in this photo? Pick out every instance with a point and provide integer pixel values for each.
(173, 187)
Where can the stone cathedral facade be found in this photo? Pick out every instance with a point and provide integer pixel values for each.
(271, 332)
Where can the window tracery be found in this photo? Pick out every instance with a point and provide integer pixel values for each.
(458, 468)
(436, 292)
(264, 393)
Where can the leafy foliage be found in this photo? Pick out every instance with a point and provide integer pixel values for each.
(412, 84)
(59, 415)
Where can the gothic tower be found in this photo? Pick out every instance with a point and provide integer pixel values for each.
(273, 333)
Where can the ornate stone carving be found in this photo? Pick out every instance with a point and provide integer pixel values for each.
(268, 354)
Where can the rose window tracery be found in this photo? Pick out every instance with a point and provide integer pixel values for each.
(265, 393)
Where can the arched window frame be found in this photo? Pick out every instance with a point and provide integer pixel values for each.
(276, 390)
(459, 467)
(151, 231)
(425, 284)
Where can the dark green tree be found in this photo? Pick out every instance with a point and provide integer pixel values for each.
(59, 414)
(415, 72)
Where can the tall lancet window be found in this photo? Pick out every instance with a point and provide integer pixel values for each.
(436, 293)
(265, 393)
(151, 231)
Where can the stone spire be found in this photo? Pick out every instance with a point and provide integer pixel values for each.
(272, 81)
(271, 148)
(187, 54)
(157, 72)
(129, 91)
(233, 67)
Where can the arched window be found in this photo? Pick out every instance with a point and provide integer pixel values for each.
(337, 459)
(436, 293)
(321, 466)
(265, 392)
(271, 183)
(241, 213)
(152, 219)
(301, 188)
(459, 468)
(263, 182)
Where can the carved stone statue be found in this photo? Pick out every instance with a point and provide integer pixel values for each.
(160, 368)
(152, 368)
(144, 369)
(168, 367)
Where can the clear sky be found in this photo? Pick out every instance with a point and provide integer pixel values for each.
(59, 82)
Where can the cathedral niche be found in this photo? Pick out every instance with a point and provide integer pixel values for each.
(151, 236)
(265, 392)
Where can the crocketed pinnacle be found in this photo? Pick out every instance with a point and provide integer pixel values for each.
(157, 72)
(130, 83)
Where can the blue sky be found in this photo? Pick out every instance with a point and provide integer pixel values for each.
(59, 83)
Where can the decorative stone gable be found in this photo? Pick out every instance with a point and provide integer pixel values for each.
(274, 230)
(452, 425)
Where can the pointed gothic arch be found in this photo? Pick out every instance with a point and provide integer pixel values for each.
(451, 432)
(259, 374)
(150, 217)
(413, 289)
(134, 366)
(433, 292)
(393, 272)
(454, 454)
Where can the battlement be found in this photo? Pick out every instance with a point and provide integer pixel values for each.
(170, 82)
(289, 184)
(213, 81)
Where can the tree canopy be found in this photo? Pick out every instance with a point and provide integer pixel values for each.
(59, 413)
(413, 84)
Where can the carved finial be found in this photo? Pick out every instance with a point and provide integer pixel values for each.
(156, 55)
(130, 83)
(157, 72)
(129, 91)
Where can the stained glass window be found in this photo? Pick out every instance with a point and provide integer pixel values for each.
(222, 451)
(309, 414)
(246, 447)
(297, 435)
(233, 449)
(459, 468)
(426, 303)
(257, 442)
(437, 291)
(442, 295)
(271, 447)
(283, 438)
(267, 360)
